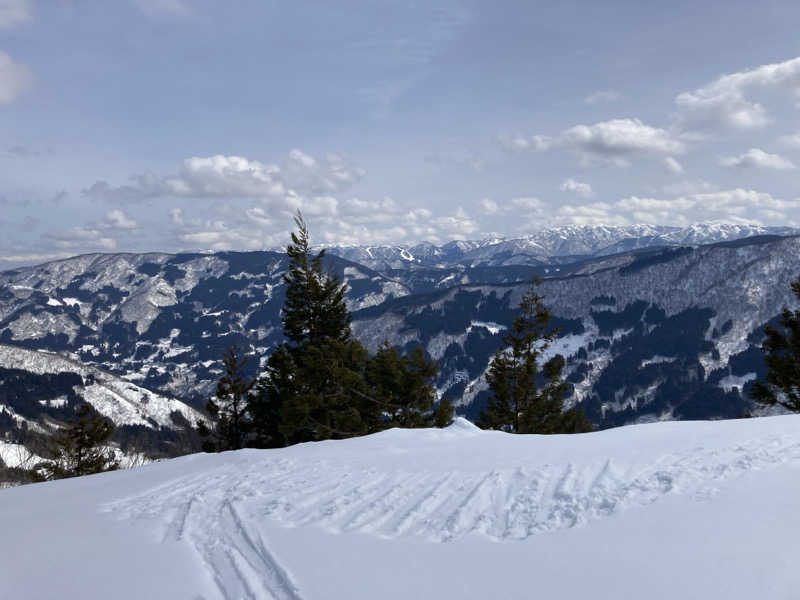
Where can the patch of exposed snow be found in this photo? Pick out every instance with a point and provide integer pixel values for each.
(731, 382)
(17, 455)
(657, 359)
(494, 328)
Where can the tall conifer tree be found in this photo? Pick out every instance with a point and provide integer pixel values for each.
(516, 404)
(314, 381)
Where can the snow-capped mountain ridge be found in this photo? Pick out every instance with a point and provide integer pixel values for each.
(550, 244)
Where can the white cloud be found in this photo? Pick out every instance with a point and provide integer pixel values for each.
(14, 12)
(117, 219)
(220, 177)
(225, 177)
(601, 96)
(457, 226)
(736, 205)
(83, 239)
(672, 165)
(758, 159)
(595, 213)
(256, 228)
(528, 203)
(724, 102)
(611, 142)
(14, 78)
(620, 137)
(490, 207)
(584, 190)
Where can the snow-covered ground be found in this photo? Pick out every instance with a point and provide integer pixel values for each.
(660, 511)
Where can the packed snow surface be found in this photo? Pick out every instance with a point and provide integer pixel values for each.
(665, 510)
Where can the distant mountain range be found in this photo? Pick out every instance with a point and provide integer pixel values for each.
(549, 246)
(655, 323)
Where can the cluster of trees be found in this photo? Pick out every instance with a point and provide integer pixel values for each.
(321, 383)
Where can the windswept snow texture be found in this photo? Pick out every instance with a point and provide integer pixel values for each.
(666, 510)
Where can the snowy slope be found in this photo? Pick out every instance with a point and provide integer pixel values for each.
(121, 401)
(667, 510)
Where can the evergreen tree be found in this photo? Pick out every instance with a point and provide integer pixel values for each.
(314, 311)
(272, 392)
(402, 386)
(229, 410)
(516, 404)
(443, 414)
(314, 381)
(782, 356)
(81, 447)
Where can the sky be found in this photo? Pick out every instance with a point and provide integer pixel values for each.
(169, 125)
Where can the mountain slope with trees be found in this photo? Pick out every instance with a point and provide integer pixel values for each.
(685, 322)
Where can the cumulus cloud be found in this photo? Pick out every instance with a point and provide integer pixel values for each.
(611, 142)
(14, 12)
(672, 165)
(15, 78)
(256, 228)
(584, 190)
(621, 137)
(736, 205)
(601, 96)
(221, 176)
(725, 101)
(117, 219)
(758, 159)
(317, 187)
(82, 239)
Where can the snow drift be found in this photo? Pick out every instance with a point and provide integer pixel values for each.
(666, 510)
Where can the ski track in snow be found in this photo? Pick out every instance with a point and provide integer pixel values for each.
(219, 513)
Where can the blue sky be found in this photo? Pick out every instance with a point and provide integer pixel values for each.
(163, 125)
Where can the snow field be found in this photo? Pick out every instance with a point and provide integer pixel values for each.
(430, 497)
(666, 510)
